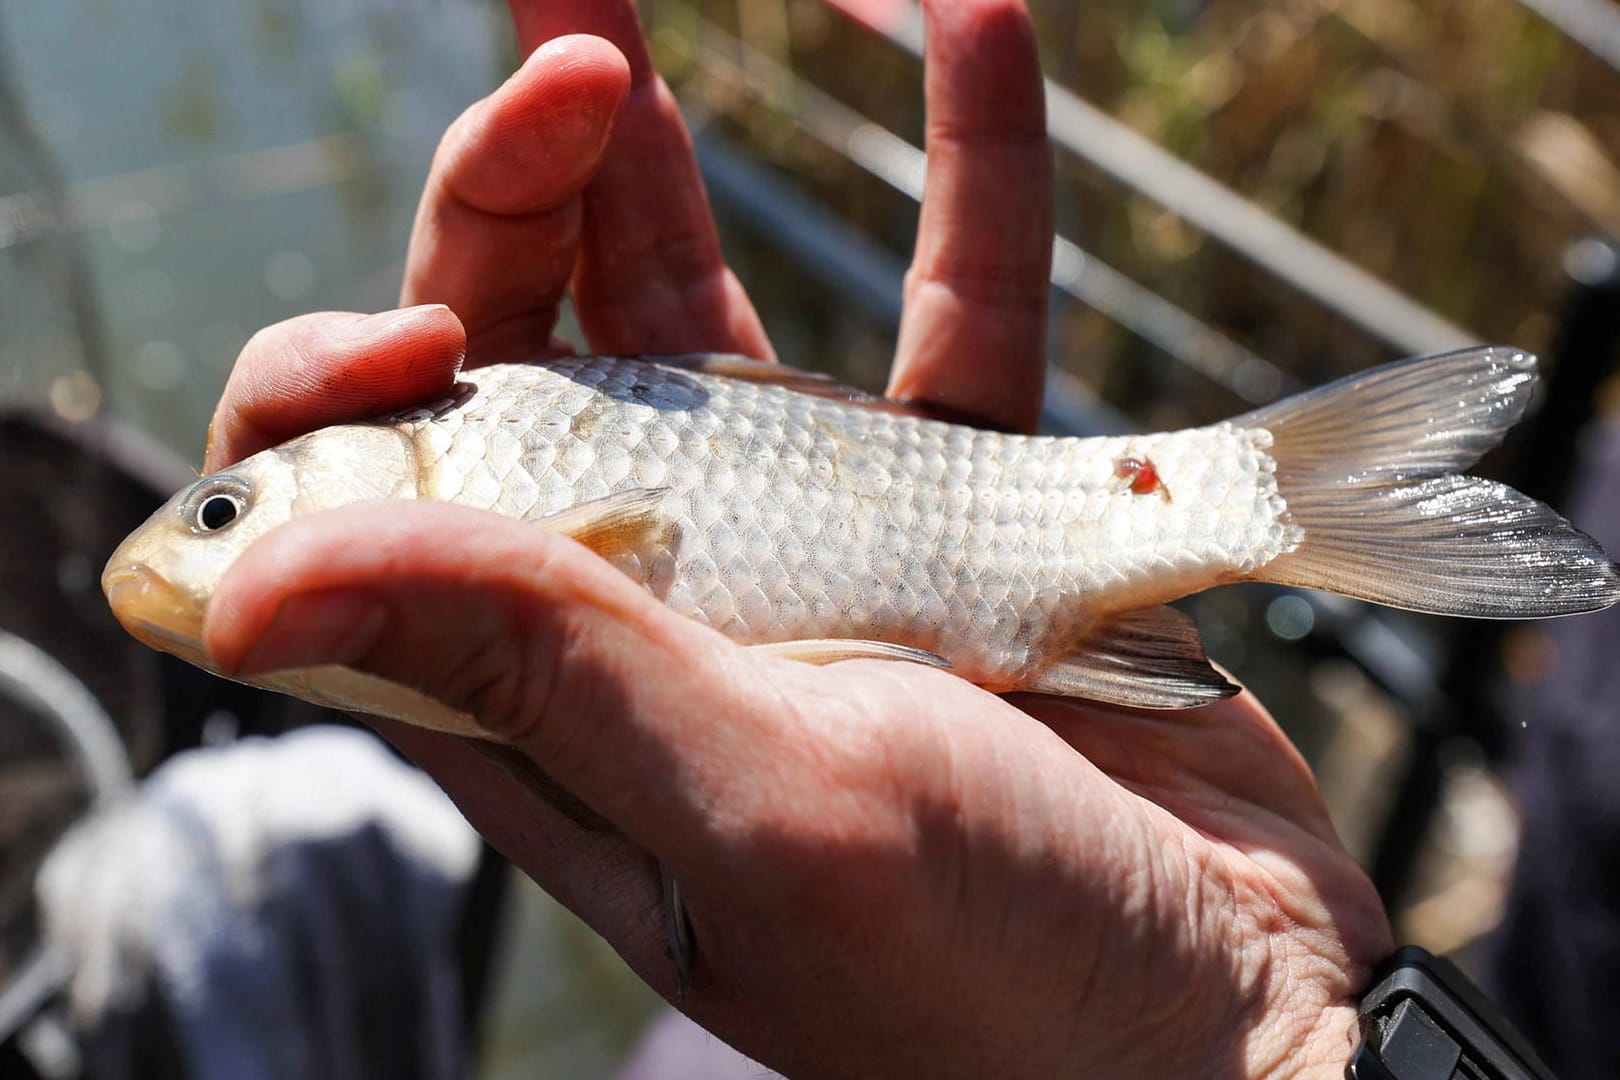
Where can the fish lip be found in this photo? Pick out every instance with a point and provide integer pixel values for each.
(154, 610)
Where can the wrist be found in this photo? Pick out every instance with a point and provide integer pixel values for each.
(1305, 1041)
(1325, 1050)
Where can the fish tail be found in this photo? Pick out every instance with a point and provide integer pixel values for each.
(1369, 469)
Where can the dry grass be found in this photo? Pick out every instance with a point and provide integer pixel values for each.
(1452, 149)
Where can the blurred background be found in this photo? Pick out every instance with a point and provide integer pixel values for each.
(1252, 198)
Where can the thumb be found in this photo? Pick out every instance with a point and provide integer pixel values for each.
(644, 715)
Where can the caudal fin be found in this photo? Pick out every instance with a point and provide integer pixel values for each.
(1368, 468)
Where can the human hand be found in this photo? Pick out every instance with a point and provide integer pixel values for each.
(888, 870)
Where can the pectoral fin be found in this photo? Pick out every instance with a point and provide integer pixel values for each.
(615, 524)
(1152, 659)
(831, 650)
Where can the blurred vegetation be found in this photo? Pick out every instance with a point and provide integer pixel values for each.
(1452, 148)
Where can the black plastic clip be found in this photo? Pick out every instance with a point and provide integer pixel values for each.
(1423, 1020)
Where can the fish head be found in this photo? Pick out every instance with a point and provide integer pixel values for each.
(161, 578)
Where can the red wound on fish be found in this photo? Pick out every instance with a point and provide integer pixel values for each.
(1142, 475)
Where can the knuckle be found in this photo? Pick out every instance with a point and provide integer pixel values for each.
(998, 286)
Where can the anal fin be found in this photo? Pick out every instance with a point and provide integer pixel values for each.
(832, 650)
(615, 524)
(1150, 659)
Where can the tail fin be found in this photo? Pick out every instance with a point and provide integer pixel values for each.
(1367, 466)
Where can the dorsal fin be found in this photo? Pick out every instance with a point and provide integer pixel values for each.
(766, 372)
(814, 383)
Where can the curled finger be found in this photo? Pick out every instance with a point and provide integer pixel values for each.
(639, 712)
(651, 276)
(330, 368)
(497, 230)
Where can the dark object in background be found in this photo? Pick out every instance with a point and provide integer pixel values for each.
(285, 907)
(1557, 953)
(67, 493)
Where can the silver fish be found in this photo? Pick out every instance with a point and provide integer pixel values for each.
(791, 513)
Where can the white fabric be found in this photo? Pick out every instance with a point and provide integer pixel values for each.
(289, 905)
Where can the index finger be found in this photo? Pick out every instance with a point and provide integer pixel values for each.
(651, 276)
(497, 229)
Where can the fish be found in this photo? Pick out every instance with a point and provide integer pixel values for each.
(799, 516)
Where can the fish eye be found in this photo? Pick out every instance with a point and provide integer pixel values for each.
(217, 511)
(215, 504)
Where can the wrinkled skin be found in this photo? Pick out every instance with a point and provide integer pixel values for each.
(890, 871)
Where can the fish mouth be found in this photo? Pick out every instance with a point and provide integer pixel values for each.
(154, 611)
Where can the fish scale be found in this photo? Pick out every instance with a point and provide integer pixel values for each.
(799, 517)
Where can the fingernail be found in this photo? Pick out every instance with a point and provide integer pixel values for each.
(208, 447)
(334, 627)
(368, 327)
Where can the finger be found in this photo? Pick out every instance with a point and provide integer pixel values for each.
(645, 716)
(330, 368)
(651, 276)
(499, 221)
(973, 333)
(540, 21)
